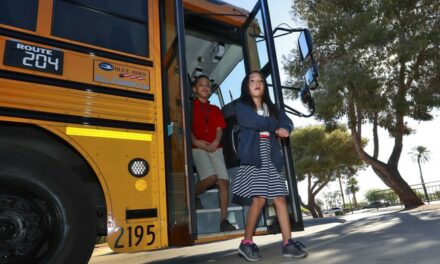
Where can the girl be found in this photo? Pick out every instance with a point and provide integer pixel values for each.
(261, 162)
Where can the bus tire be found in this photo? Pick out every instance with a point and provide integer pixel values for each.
(45, 215)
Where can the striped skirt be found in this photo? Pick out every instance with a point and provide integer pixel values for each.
(264, 182)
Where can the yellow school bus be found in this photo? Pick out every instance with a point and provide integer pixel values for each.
(95, 122)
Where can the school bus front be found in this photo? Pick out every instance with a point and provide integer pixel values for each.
(81, 130)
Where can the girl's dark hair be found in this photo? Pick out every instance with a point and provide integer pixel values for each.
(246, 97)
(196, 79)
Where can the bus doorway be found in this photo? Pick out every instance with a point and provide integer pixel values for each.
(224, 46)
(213, 47)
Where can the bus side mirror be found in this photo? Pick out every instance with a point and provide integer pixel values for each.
(305, 47)
(305, 44)
(307, 99)
(311, 77)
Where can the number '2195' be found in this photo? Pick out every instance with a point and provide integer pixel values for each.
(135, 235)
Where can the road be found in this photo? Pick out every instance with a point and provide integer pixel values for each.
(388, 235)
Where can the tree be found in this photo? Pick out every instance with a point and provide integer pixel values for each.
(332, 199)
(319, 157)
(421, 155)
(379, 65)
(353, 187)
(371, 195)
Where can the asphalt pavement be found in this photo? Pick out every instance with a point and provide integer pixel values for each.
(387, 235)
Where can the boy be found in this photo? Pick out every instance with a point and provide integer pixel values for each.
(207, 130)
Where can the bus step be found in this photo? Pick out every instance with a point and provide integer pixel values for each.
(208, 220)
(210, 199)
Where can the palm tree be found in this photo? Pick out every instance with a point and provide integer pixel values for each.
(353, 186)
(342, 190)
(421, 154)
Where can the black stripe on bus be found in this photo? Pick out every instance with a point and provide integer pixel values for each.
(92, 121)
(140, 213)
(73, 47)
(73, 85)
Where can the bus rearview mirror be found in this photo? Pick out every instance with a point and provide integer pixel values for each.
(305, 44)
(307, 99)
(311, 77)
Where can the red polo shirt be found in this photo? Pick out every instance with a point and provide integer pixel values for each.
(206, 119)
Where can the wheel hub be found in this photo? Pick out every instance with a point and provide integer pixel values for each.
(22, 227)
(8, 230)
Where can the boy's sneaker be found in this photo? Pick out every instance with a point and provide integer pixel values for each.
(225, 226)
(199, 203)
(294, 249)
(249, 252)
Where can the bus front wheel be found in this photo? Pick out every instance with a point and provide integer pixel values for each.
(45, 215)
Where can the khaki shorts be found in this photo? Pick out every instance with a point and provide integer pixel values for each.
(210, 163)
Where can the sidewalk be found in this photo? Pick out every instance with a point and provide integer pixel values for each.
(387, 235)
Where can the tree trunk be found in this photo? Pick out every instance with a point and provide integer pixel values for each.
(423, 181)
(387, 172)
(342, 192)
(394, 180)
(314, 209)
(354, 200)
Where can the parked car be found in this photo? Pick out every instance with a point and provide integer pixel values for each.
(378, 204)
(333, 210)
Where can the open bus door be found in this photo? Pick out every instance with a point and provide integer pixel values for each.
(260, 55)
(177, 115)
(223, 42)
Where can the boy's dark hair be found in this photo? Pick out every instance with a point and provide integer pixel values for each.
(246, 97)
(196, 79)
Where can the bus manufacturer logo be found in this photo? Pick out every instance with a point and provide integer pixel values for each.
(106, 66)
(121, 75)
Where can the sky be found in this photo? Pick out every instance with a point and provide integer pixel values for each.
(425, 131)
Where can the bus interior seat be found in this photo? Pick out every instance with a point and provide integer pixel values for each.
(230, 136)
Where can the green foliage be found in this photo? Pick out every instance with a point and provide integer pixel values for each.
(338, 157)
(353, 185)
(332, 198)
(420, 194)
(421, 154)
(322, 156)
(305, 211)
(383, 56)
(371, 195)
(382, 195)
(379, 63)
(391, 197)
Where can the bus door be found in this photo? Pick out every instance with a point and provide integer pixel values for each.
(259, 53)
(193, 43)
(222, 42)
(176, 114)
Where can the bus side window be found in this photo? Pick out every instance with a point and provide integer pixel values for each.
(117, 25)
(12, 13)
